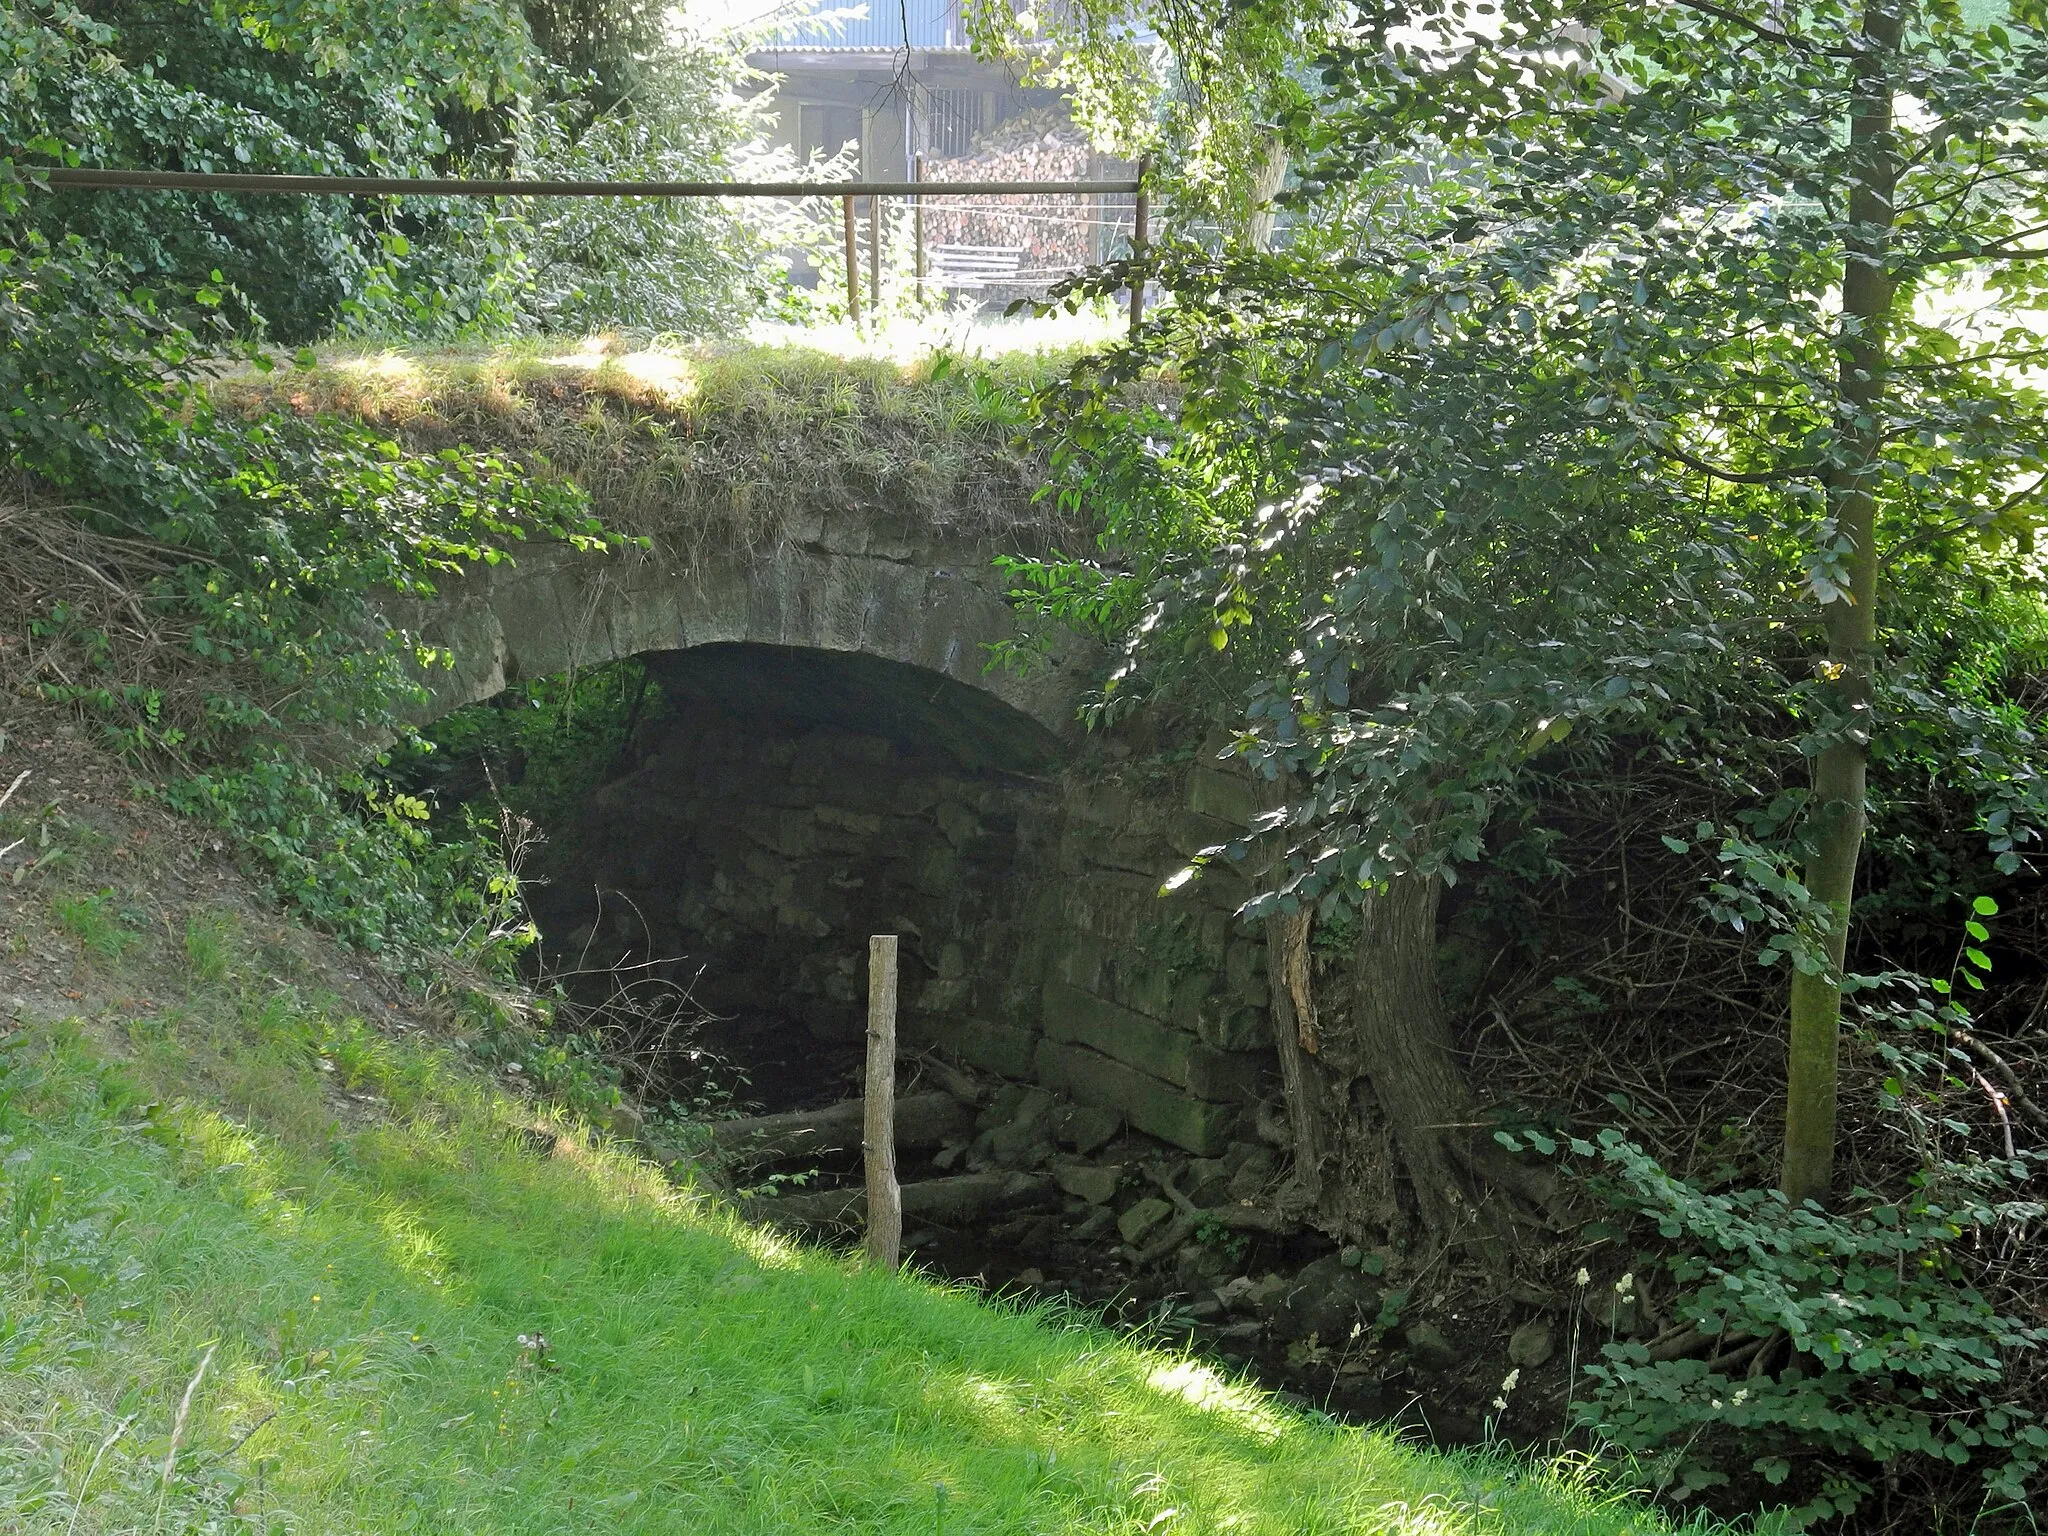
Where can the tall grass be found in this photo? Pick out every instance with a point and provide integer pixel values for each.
(426, 1307)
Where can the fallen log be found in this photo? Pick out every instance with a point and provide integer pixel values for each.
(943, 1202)
(922, 1120)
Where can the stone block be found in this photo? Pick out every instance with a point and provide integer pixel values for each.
(1531, 1344)
(1156, 1108)
(1076, 1017)
(1245, 966)
(1230, 1025)
(1082, 960)
(937, 872)
(962, 1036)
(998, 1048)
(858, 823)
(1110, 906)
(1327, 1299)
(1191, 990)
(1102, 803)
(915, 794)
(1227, 797)
(1147, 988)
(1088, 1181)
(1430, 1348)
(1254, 1173)
(1085, 1127)
(957, 823)
(942, 994)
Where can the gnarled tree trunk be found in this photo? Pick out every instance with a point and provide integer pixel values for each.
(1385, 1125)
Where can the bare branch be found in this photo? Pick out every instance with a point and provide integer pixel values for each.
(1768, 34)
(1739, 477)
(19, 779)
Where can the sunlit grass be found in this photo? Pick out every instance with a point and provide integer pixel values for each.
(373, 1291)
(727, 445)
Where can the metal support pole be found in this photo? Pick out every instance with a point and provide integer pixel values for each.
(878, 1122)
(852, 262)
(917, 228)
(875, 256)
(1141, 237)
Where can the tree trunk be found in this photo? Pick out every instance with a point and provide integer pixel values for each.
(922, 1120)
(1868, 295)
(1404, 1043)
(1297, 1041)
(1271, 177)
(1382, 1094)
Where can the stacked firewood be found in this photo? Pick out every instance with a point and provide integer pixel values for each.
(1057, 233)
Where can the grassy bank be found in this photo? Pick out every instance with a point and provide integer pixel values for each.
(712, 444)
(272, 1266)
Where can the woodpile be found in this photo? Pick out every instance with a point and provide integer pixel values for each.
(1058, 234)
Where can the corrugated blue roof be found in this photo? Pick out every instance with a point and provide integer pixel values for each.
(875, 24)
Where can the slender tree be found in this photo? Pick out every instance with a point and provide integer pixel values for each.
(1668, 369)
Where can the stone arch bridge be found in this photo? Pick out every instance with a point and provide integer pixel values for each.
(834, 757)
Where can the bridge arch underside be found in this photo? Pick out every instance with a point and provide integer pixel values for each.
(784, 803)
(835, 758)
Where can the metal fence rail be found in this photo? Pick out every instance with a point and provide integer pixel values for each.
(95, 178)
(465, 186)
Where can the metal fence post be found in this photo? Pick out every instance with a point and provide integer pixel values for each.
(852, 262)
(917, 227)
(1141, 237)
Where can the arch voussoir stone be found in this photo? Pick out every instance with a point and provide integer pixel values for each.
(553, 608)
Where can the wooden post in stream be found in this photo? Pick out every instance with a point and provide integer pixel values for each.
(852, 262)
(878, 1130)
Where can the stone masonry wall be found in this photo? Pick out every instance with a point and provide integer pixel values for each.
(768, 827)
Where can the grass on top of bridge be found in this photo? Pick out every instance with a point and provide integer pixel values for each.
(272, 1268)
(739, 442)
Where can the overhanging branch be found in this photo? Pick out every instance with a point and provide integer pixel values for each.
(1739, 477)
(1768, 34)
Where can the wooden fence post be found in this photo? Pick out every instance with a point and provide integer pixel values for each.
(878, 1130)
(852, 261)
(875, 256)
(1141, 236)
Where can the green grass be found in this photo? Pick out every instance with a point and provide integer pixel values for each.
(366, 1282)
(91, 920)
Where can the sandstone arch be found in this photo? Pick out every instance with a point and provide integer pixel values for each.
(936, 606)
(1036, 942)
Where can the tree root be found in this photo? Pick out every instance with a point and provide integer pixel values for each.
(1189, 1218)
